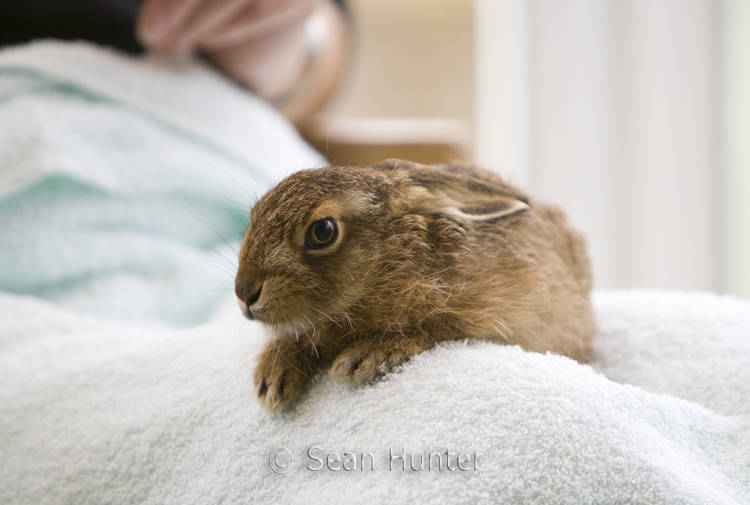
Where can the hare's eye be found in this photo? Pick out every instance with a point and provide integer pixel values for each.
(322, 233)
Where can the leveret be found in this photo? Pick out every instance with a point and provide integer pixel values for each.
(360, 268)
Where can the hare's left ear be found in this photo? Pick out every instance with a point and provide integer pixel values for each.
(465, 195)
(487, 210)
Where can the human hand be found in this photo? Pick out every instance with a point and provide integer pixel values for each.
(262, 44)
(173, 26)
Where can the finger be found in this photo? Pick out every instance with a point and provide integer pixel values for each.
(160, 20)
(207, 19)
(256, 21)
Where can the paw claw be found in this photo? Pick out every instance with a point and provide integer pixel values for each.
(263, 388)
(279, 381)
(360, 366)
(277, 395)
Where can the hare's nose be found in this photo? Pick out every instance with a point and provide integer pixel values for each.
(248, 293)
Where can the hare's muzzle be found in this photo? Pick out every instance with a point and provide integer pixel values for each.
(247, 295)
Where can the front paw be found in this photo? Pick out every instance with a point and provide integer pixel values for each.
(279, 378)
(359, 365)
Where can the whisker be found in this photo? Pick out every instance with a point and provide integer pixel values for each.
(308, 336)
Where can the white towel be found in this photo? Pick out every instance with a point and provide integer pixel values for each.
(96, 412)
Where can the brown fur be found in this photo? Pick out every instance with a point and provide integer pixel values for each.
(416, 263)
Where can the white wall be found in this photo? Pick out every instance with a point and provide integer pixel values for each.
(414, 58)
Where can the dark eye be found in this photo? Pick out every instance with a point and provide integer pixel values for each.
(322, 233)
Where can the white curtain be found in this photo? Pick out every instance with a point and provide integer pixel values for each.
(613, 109)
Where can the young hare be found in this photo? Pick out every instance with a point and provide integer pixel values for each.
(361, 268)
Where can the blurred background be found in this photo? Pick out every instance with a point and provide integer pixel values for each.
(634, 115)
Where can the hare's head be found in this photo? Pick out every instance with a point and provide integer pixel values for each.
(326, 244)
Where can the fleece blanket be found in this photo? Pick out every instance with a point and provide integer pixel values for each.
(126, 368)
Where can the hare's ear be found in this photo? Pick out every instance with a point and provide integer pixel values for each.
(487, 210)
(468, 194)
